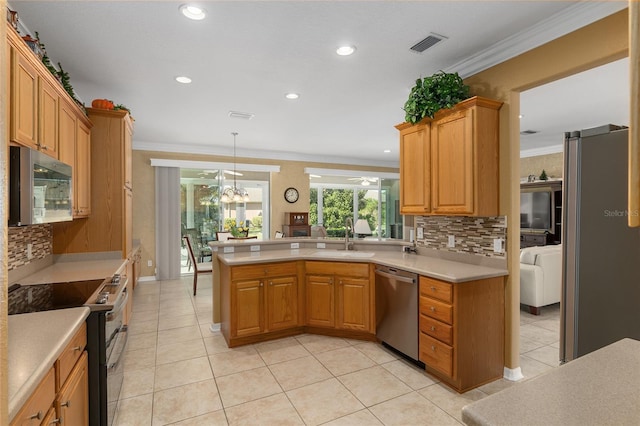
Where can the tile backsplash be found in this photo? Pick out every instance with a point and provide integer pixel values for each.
(41, 238)
(473, 235)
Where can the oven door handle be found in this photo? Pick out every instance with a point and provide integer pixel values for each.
(123, 333)
(120, 304)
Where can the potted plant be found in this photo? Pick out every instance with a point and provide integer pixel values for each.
(431, 94)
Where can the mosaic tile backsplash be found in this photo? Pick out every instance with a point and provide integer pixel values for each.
(39, 235)
(474, 235)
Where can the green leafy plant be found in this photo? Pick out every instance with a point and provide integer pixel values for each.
(431, 94)
(543, 175)
(66, 81)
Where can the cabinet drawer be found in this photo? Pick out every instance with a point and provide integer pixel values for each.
(259, 271)
(360, 270)
(436, 354)
(436, 309)
(437, 329)
(436, 289)
(70, 355)
(38, 405)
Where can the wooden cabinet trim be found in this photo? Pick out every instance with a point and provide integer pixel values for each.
(39, 403)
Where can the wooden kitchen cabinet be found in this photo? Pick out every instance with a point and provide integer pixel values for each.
(39, 403)
(415, 175)
(75, 150)
(449, 164)
(109, 227)
(48, 99)
(462, 331)
(24, 94)
(72, 404)
(339, 295)
(464, 159)
(262, 301)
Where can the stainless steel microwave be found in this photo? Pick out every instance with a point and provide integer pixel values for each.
(40, 188)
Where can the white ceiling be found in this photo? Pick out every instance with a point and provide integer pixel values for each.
(246, 55)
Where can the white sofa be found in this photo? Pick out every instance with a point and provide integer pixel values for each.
(540, 276)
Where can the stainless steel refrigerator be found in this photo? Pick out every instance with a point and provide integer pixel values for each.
(601, 255)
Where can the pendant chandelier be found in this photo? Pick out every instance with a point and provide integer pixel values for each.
(234, 194)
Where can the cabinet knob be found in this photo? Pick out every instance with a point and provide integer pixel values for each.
(330, 280)
(340, 282)
(261, 284)
(270, 282)
(433, 328)
(433, 348)
(433, 288)
(433, 308)
(66, 404)
(37, 415)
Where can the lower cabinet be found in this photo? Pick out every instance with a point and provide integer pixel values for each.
(462, 331)
(339, 295)
(261, 298)
(62, 397)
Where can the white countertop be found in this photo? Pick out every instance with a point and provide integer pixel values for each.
(433, 267)
(36, 340)
(61, 272)
(600, 388)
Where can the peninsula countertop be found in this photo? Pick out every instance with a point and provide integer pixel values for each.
(596, 389)
(433, 267)
(36, 340)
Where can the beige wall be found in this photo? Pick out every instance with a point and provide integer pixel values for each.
(291, 174)
(552, 164)
(596, 44)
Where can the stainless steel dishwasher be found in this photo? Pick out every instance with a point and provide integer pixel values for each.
(397, 309)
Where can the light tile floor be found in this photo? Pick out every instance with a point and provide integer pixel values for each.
(178, 372)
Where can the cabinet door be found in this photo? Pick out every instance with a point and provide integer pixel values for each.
(67, 136)
(83, 170)
(452, 184)
(353, 303)
(24, 102)
(39, 403)
(320, 301)
(282, 303)
(73, 400)
(127, 157)
(247, 308)
(128, 222)
(415, 170)
(47, 118)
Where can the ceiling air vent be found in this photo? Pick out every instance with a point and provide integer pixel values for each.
(428, 42)
(529, 132)
(242, 115)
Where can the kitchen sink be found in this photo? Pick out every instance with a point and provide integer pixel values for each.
(344, 253)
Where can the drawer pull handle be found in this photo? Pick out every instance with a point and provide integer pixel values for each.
(433, 328)
(270, 282)
(66, 404)
(433, 288)
(261, 284)
(77, 348)
(38, 416)
(54, 421)
(433, 348)
(433, 308)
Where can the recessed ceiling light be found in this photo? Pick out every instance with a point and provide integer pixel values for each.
(183, 79)
(345, 50)
(292, 96)
(193, 12)
(386, 151)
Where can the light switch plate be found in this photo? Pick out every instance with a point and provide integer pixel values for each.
(255, 248)
(497, 245)
(451, 241)
(228, 249)
(295, 245)
(420, 233)
(149, 262)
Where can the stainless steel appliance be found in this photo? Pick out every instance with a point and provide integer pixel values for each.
(397, 310)
(106, 332)
(601, 254)
(40, 189)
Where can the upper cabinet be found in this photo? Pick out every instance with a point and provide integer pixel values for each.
(449, 164)
(36, 119)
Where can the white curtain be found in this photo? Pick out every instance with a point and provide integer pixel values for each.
(167, 223)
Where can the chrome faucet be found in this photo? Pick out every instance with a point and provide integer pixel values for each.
(348, 227)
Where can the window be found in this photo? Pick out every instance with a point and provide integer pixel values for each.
(374, 198)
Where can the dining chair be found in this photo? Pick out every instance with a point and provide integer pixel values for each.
(198, 267)
(223, 236)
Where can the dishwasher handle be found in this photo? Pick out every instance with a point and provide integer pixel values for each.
(396, 277)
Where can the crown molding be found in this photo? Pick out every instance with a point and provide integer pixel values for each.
(546, 150)
(259, 154)
(558, 25)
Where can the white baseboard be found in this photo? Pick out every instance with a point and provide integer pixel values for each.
(147, 278)
(513, 374)
(214, 327)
